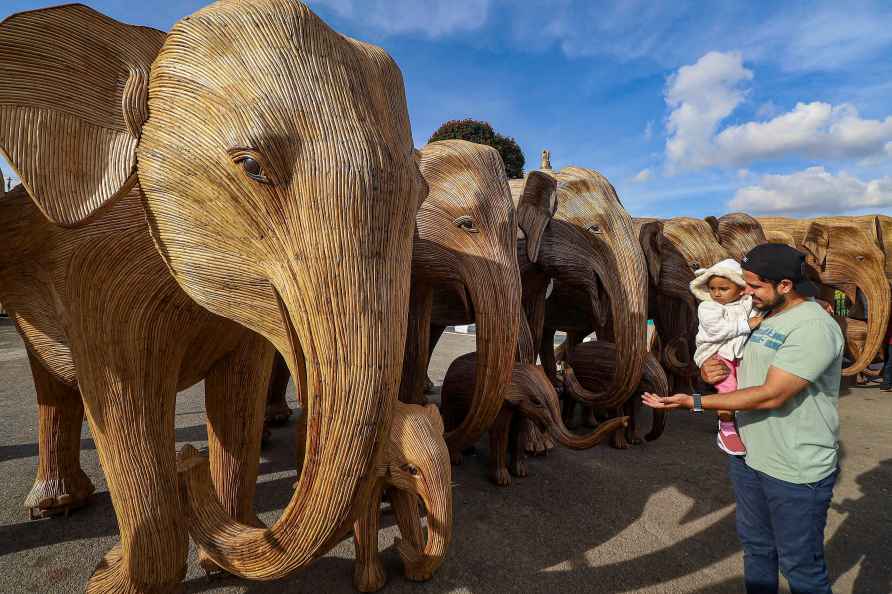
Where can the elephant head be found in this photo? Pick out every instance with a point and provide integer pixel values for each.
(737, 232)
(847, 259)
(466, 241)
(276, 167)
(672, 306)
(579, 235)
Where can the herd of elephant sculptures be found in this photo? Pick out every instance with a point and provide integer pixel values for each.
(239, 201)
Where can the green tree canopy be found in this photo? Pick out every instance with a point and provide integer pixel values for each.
(482, 133)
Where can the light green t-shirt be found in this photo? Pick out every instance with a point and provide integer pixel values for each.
(797, 442)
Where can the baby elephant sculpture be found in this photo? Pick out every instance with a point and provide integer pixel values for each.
(416, 465)
(530, 395)
(589, 365)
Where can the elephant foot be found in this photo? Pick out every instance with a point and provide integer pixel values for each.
(500, 476)
(417, 567)
(277, 413)
(369, 577)
(58, 496)
(110, 577)
(549, 442)
(518, 467)
(533, 440)
(208, 565)
(633, 438)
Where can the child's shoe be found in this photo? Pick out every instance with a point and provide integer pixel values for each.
(728, 440)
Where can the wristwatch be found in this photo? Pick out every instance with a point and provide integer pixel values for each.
(698, 404)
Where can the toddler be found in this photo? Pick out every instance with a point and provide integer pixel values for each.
(726, 319)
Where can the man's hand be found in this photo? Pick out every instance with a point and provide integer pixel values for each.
(668, 402)
(714, 371)
(755, 321)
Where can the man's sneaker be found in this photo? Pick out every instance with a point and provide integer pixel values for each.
(728, 440)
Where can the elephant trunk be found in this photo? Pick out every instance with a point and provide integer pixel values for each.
(625, 278)
(495, 292)
(656, 382)
(343, 433)
(875, 288)
(534, 381)
(421, 565)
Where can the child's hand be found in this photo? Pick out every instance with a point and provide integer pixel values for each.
(755, 322)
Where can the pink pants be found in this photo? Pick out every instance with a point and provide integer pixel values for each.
(729, 384)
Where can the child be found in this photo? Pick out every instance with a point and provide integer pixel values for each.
(726, 320)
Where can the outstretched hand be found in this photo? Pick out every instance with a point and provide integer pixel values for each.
(667, 402)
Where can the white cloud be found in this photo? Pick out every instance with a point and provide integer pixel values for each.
(649, 130)
(701, 95)
(643, 176)
(743, 173)
(433, 18)
(813, 190)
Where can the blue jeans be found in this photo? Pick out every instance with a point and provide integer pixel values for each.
(781, 526)
(887, 367)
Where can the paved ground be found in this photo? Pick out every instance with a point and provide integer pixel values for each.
(657, 518)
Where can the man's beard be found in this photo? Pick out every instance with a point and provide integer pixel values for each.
(778, 302)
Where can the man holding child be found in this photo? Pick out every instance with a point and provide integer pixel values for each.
(785, 405)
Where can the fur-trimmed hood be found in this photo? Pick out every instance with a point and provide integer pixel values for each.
(729, 269)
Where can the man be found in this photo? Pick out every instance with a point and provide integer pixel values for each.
(786, 403)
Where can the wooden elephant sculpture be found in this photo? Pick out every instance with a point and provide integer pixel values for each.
(847, 258)
(198, 257)
(588, 365)
(737, 232)
(530, 396)
(416, 466)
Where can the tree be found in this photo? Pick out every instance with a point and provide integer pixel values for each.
(482, 133)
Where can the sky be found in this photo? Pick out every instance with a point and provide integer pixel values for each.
(689, 108)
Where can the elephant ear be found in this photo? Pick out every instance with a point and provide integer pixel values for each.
(817, 243)
(73, 98)
(436, 419)
(650, 236)
(535, 209)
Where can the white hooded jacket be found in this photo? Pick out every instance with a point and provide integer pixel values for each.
(722, 329)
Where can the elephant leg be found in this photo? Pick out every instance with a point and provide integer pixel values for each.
(498, 447)
(368, 571)
(130, 398)
(235, 394)
(60, 484)
(632, 409)
(277, 409)
(546, 355)
(533, 440)
(588, 416)
(568, 412)
(406, 509)
(517, 464)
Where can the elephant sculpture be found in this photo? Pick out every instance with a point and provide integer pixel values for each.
(465, 246)
(671, 305)
(590, 367)
(530, 396)
(846, 258)
(187, 247)
(737, 232)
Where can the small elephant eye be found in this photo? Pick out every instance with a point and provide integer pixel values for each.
(411, 469)
(466, 223)
(859, 258)
(595, 229)
(695, 265)
(250, 165)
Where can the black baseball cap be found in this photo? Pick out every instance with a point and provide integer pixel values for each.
(778, 261)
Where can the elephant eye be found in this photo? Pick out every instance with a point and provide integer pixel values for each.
(595, 229)
(466, 223)
(250, 165)
(411, 469)
(859, 258)
(695, 265)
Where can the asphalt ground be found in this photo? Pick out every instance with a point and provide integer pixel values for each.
(654, 518)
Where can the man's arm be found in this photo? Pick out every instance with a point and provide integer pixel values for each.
(779, 387)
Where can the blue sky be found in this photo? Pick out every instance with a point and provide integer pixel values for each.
(689, 108)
